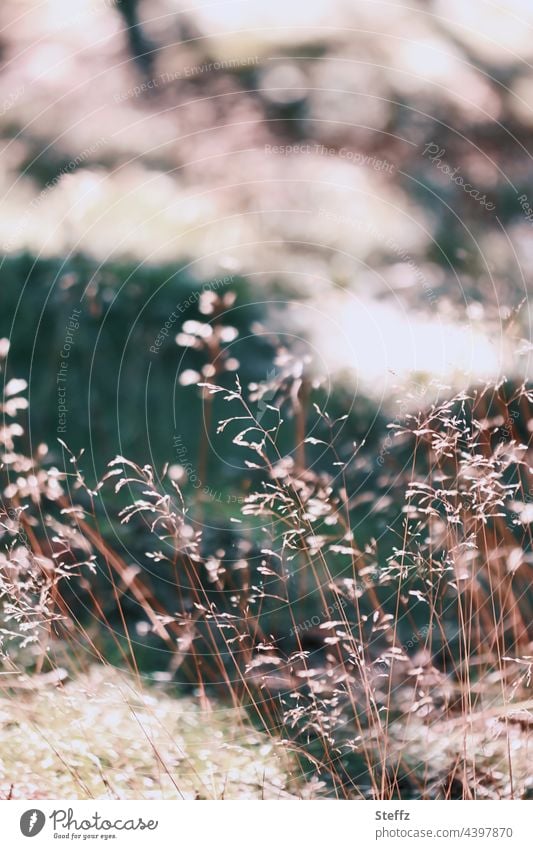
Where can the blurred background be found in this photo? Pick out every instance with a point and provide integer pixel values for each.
(149, 148)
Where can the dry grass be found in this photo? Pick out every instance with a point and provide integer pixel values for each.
(390, 667)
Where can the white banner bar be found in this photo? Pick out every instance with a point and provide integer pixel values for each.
(313, 824)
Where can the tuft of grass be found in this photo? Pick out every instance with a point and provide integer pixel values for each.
(488, 758)
(103, 736)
